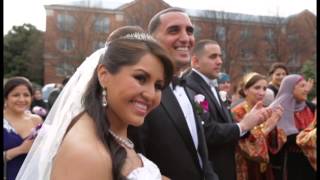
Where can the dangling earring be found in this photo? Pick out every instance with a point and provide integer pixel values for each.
(104, 98)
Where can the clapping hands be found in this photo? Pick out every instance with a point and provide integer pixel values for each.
(257, 115)
(273, 120)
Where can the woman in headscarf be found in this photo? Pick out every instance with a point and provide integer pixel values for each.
(298, 114)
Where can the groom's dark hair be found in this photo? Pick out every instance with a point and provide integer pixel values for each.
(155, 21)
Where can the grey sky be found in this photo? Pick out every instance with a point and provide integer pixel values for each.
(17, 12)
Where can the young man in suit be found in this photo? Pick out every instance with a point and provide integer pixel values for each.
(221, 132)
(172, 136)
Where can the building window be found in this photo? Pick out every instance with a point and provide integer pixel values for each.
(223, 53)
(65, 22)
(65, 44)
(271, 56)
(269, 35)
(293, 60)
(246, 69)
(293, 38)
(246, 54)
(98, 45)
(283, 30)
(102, 24)
(245, 34)
(65, 69)
(197, 31)
(119, 17)
(221, 33)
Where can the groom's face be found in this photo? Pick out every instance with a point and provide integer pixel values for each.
(175, 34)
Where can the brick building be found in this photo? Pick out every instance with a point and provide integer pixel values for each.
(253, 43)
(249, 43)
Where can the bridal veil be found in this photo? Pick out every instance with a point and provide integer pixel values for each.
(38, 163)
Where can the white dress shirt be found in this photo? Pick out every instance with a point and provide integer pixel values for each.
(187, 110)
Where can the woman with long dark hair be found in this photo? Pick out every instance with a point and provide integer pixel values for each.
(85, 134)
(277, 72)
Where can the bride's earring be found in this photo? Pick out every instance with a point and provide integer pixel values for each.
(104, 98)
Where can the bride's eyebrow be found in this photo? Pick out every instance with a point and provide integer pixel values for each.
(142, 71)
(145, 72)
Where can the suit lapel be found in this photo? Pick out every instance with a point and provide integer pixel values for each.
(171, 105)
(199, 85)
(202, 147)
(225, 112)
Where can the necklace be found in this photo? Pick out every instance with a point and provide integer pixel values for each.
(127, 142)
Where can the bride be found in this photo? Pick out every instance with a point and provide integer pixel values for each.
(85, 133)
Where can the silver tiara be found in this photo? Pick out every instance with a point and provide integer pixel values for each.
(139, 36)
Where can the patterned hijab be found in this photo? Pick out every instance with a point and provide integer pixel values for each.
(289, 103)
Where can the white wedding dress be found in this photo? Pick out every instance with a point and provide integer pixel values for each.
(149, 171)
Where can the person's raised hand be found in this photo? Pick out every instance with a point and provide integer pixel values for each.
(26, 145)
(256, 116)
(273, 120)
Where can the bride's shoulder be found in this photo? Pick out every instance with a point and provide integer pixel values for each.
(82, 153)
(82, 129)
(82, 137)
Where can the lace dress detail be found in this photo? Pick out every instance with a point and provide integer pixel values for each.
(149, 171)
(8, 127)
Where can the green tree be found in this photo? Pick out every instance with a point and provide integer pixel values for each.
(308, 70)
(23, 50)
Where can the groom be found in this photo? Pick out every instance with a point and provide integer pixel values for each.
(172, 136)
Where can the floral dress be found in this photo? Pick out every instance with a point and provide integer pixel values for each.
(252, 151)
(307, 141)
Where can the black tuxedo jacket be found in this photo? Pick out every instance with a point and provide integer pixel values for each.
(221, 132)
(165, 139)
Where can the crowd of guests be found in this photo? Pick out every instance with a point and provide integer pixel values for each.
(157, 106)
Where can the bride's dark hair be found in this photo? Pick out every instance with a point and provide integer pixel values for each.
(120, 52)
